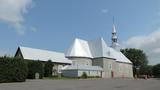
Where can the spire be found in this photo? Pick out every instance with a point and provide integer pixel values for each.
(114, 36)
(114, 33)
(113, 27)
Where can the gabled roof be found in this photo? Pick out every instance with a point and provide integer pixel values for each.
(43, 55)
(94, 49)
(118, 56)
(90, 49)
(99, 48)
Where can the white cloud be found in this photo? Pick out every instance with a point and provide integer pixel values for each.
(104, 10)
(33, 29)
(11, 12)
(4, 52)
(149, 43)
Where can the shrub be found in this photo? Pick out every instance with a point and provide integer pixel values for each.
(33, 68)
(84, 75)
(12, 70)
(93, 77)
(48, 69)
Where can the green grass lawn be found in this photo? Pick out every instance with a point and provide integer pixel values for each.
(68, 78)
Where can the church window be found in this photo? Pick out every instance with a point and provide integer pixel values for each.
(110, 66)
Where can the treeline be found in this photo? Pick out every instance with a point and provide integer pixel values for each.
(156, 70)
(18, 70)
(140, 63)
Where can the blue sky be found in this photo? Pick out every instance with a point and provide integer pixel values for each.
(54, 24)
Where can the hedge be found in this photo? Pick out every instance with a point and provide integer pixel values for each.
(48, 68)
(12, 70)
(33, 68)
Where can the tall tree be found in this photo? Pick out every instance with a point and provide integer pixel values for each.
(137, 57)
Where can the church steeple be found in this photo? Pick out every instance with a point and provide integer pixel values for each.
(114, 36)
(115, 44)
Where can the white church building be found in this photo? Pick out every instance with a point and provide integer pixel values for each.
(94, 57)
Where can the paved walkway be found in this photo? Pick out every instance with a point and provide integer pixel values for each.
(101, 84)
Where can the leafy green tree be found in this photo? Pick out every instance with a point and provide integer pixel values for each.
(48, 68)
(137, 57)
(35, 67)
(156, 71)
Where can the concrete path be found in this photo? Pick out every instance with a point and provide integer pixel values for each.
(101, 84)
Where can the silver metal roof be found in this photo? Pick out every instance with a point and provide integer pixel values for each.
(93, 49)
(79, 48)
(118, 56)
(43, 55)
(99, 48)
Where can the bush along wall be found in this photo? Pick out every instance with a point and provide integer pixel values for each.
(33, 68)
(84, 75)
(48, 68)
(12, 70)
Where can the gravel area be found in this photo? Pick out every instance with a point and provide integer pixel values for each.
(99, 84)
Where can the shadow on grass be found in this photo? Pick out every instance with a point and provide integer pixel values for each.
(59, 78)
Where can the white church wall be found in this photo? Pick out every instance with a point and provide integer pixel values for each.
(123, 70)
(107, 64)
(89, 73)
(70, 73)
(79, 73)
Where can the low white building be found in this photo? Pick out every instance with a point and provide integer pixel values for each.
(57, 58)
(78, 70)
